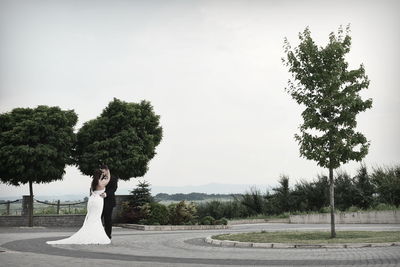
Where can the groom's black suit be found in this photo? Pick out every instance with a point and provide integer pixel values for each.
(109, 204)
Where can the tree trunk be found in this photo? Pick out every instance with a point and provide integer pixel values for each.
(332, 202)
(30, 219)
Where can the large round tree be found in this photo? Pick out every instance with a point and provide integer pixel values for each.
(35, 146)
(124, 137)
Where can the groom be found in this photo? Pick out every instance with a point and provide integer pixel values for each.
(109, 200)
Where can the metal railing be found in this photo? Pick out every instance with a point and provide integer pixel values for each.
(58, 205)
(10, 207)
(7, 207)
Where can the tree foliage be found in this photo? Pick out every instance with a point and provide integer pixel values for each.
(282, 194)
(124, 137)
(387, 182)
(35, 144)
(133, 211)
(253, 201)
(364, 188)
(141, 195)
(329, 92)
(346, 191)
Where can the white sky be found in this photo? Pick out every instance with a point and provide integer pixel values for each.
(211, 69)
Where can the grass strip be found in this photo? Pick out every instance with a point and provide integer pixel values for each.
(313, 237)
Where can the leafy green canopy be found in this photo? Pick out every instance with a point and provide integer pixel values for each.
(329, 91)
(124, 137)
(35, 144)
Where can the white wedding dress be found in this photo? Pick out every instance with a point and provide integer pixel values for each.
(92, 231)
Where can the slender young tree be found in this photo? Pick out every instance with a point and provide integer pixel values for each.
(35, 146)
(329, 92)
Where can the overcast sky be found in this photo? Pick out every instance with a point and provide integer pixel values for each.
(211, 69)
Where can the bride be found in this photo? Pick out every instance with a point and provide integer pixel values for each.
(92, 231)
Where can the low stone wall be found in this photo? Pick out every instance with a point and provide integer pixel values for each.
(171, 227)
(255, 221)
(71, 220)
(384, 217)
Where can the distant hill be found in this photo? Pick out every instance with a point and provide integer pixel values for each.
(191, 196)
(213, 188)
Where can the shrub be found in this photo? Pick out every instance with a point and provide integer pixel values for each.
(353, 209)
(384, 206)
(130, 214)
(387, 183)
(253, 201)
(182, 213)
(219, 209)
(207, 220)
(325, 210)
(222, 221)
(131, 211)
(154, 214)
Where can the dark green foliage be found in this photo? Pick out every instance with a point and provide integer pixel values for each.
(222, 221)
(124, 137)
(155, 213)
(141, 195)
(253, 201)
(182, 213)
(305, 196)
(330, 94)
(219, 209)
(365, 189)
(35, 144)
(352, 194)
(207, 220)
(346, 191)
(215, 209)
(322, 83)
(282, 195)
(311, 196)
(387, 183)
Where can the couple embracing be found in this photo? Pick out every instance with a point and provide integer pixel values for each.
(100, 206)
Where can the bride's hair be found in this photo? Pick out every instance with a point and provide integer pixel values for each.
(96, 177)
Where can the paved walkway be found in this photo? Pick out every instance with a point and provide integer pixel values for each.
(27, 247)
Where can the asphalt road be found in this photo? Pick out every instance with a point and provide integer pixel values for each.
(27, 247)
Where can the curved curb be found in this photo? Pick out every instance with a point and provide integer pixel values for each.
(172, 227)
(238, 244)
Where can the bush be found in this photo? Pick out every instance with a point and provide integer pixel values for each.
(384, 206)
(130, 214)
(131, 210)
(154, 214)
(387, 183)
(325, 210)
(207, 220)
(353, 209)
(219, 209)
(222, 221)
(253, 201)
(182, 213)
